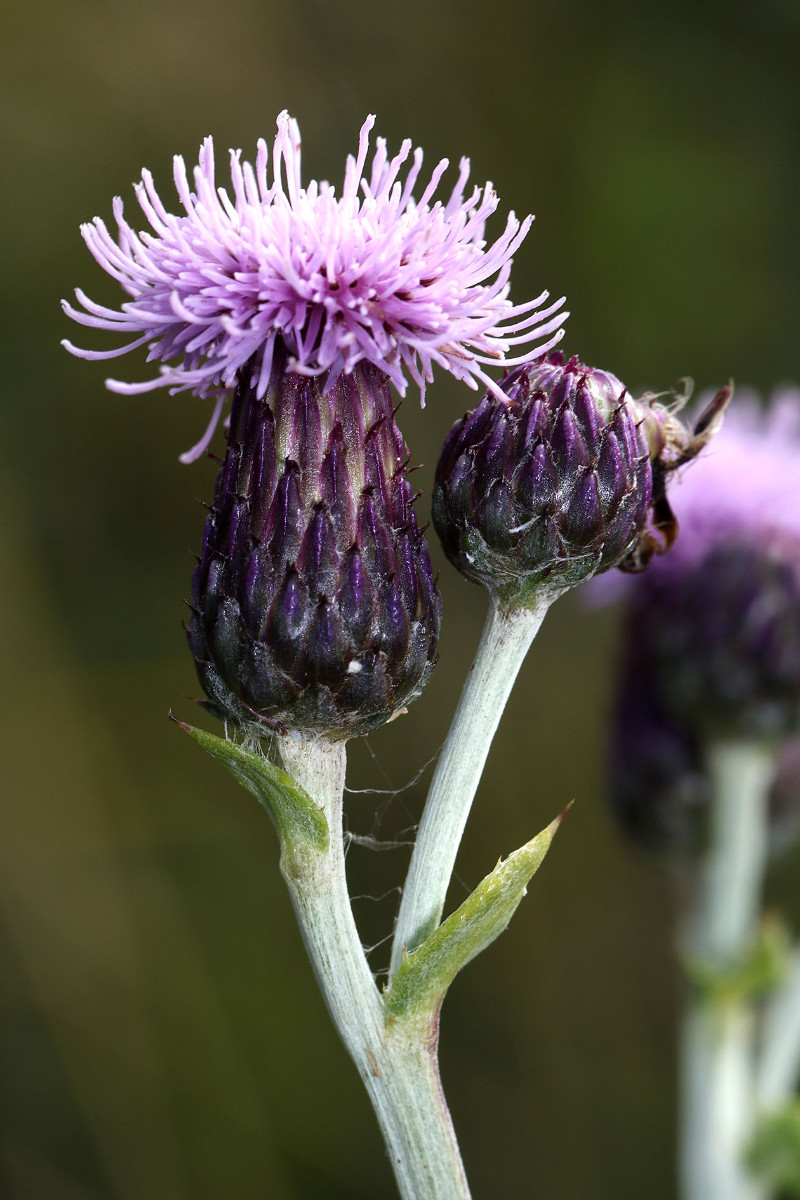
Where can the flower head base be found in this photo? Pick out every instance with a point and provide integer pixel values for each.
(371, 276)
(561, 477)
(314, 605)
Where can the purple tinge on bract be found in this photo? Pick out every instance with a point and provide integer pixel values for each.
(373, 275)
(314, 604)
(561, 476)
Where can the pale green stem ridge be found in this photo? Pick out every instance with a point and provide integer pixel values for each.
(506, 637)
(397, 1061)
(718, 1051)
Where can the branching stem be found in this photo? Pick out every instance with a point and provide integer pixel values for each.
(505, 640)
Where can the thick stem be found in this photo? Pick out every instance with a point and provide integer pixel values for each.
(507, 635)
(727, 918)
(397, 1064)
(717, 1102)
(718, 1052)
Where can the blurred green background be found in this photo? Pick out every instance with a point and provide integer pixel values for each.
(160, 1031)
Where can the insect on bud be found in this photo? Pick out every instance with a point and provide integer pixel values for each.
(564, 478)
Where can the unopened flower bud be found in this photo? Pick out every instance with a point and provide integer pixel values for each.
(314, 605)
(562, 478)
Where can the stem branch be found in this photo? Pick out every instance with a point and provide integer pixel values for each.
(507, 635)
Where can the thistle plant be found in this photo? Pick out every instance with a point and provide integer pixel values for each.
(560, 476)
(315, 617)
(704, 771)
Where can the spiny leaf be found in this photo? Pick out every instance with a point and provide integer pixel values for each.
(297, 818)
(423, 977)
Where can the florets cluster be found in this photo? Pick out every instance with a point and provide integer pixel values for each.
(372, 275)
(748, 487)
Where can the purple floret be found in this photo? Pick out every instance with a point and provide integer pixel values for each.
(373, 275)
(747, 486)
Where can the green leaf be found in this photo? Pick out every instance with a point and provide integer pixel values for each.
(299, 821)
(423, 977)
(774, 1153)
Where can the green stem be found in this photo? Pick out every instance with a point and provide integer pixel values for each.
(397, 1061)
(718, 1051)
(505, 640)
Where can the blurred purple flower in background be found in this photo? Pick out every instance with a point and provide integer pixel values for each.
(371, 276)
(748, 487)
(712, 634)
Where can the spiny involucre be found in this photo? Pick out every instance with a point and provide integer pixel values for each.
(560, 477)
(314, 603)
(373, 275)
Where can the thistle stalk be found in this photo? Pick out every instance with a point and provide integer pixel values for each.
(397, 1064)
(505, 640)
(315, 614)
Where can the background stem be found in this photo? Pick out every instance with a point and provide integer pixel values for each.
(506, 637)
(779, 1062)
(718, 1051)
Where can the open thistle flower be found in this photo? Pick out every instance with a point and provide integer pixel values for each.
(559, 477)
(373, 276)
(719, 619)
(314, 608)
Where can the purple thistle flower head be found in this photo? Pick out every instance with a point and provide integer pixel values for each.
(373, 276)
(561, 477)
(747, 488)
(314, 604)
(718, 621)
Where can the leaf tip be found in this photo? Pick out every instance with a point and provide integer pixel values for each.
(181, 724)
(555, 825)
